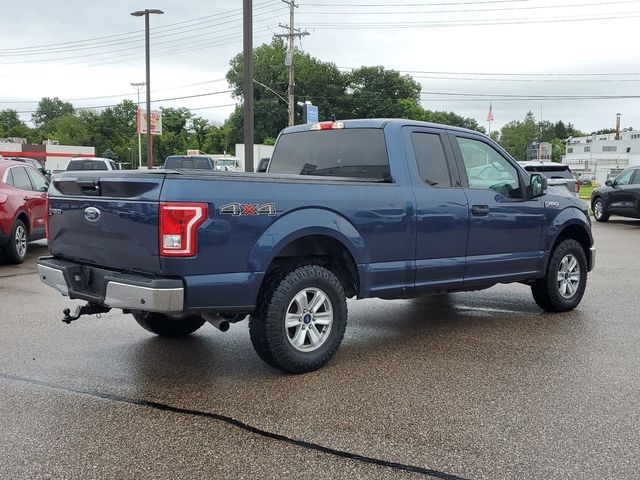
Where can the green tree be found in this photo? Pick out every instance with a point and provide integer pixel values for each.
(71, 130)
(9, 119)
(377, 92)
(516, 136)
(214, 140)
(200, 127)
(560, 130)
(557, 149)
(49, 109)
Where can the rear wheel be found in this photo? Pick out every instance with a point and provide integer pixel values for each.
(301, 321)
(564, 285)
(165, 326)
(599, 210)
(16, 250)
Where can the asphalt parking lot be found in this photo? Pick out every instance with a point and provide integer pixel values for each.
(480, 385)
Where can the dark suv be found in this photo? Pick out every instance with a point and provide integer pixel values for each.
(620, 196)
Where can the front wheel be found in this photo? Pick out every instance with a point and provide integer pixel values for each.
(563, 287)
(301, 321)
(599, 211)
(166, 326)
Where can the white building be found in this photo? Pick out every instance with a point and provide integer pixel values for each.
(601, 157)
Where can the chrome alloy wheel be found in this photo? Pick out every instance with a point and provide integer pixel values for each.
(21, 241)
(598, 209)
(568, 276)
(309, 319)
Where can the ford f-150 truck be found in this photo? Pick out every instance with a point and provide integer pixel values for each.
(361, 208)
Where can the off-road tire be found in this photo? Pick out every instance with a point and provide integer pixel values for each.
(604, 216)
(266, 324)
(166, 326)
(10, 251)
(546, 291)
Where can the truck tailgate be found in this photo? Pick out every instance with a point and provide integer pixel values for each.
(106, 219)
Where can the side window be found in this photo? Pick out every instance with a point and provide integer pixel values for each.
(636, 179)
(487, 169)
(432, 162)
(624, 178)
(38, 181)
(21, 179)
(9, 177)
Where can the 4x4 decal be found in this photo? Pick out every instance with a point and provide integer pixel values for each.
(240, 209)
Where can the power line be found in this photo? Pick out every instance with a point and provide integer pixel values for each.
(342, 4)
(466, 10)
(155, 101)
(135, 32)
(174, 42)
(524, 74)
(466, 22)
(536, 80)
(116, 95)
(528, 96)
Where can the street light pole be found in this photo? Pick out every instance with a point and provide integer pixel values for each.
(138, 86)
(146, 13)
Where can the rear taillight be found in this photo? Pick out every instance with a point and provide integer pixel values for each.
(577, 186)
(179, 223)
(46, 217)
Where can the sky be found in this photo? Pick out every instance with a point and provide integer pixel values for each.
(518, 55)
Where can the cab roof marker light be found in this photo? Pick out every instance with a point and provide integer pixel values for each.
(327, 126)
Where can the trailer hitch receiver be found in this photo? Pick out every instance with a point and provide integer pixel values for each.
(88, 309)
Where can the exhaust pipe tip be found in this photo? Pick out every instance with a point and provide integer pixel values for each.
(219, 323)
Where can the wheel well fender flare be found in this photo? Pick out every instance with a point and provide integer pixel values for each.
(304, 223)
(570, 223)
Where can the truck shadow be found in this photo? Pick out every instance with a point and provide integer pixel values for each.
(377, 330)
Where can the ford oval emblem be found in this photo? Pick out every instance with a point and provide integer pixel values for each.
(92, 214)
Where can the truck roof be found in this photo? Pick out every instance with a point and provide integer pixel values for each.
(383, 122)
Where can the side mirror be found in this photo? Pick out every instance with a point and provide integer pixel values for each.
(537, 185)
(609, 183)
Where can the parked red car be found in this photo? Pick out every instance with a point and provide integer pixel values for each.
(23, 194)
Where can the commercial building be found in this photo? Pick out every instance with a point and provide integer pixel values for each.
(53, 156)
(600, 157)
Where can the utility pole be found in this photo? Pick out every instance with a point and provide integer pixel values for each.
(247, 91)
(138, 86)
(291, 36)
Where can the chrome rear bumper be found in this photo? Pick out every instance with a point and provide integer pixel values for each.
(112, 289)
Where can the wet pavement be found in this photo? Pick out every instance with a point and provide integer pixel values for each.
(480, 385)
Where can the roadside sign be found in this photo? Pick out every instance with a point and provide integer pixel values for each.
(156, 122)
(310, 113)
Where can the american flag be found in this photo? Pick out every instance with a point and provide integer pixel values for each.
(490, 114)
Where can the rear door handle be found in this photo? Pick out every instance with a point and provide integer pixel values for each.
(480, 210)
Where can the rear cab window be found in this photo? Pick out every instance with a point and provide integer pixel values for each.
(75, 165)
(187, 163)
(350, 152)
(550, 171)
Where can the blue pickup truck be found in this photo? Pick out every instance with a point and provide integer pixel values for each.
(361, 208)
